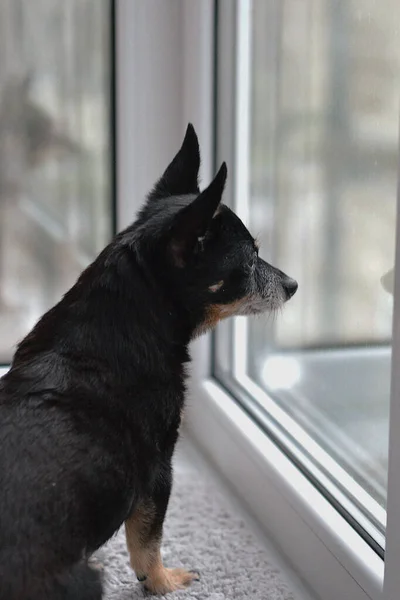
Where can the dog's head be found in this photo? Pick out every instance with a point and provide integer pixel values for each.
(201, 250)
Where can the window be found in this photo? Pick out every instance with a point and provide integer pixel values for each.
(55, 153)
(316, 121)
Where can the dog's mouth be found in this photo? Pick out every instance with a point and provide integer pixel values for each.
(258, 305)
(269, 301)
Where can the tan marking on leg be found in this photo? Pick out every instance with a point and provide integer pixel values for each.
(145, 555)
(137, 528)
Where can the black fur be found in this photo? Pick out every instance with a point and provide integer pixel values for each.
(90, 409)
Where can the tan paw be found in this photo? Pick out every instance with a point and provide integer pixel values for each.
(164, 580)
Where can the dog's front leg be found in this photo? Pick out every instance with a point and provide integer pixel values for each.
(143, 535)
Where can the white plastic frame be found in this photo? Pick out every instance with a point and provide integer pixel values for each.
(392, 558)
(241, 203)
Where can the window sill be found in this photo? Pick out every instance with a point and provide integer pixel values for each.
(320, 545)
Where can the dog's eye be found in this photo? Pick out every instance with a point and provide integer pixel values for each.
(217, 286)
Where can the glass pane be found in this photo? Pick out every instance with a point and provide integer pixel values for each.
(323, 161)
(55, 210)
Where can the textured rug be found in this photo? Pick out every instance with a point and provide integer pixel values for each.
(203, 531)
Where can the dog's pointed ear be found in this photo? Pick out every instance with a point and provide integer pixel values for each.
(181, 175)
(192, 222)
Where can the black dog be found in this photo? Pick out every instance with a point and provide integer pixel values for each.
(90, 409)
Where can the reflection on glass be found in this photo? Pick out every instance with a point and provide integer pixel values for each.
(54, 152)
(281, 372)
(324, 155)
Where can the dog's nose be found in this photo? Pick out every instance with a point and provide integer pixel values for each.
(290, 286)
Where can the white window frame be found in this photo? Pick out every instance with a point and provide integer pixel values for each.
(392, 557)
(164, 79)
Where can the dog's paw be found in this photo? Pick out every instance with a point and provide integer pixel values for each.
(169, 580)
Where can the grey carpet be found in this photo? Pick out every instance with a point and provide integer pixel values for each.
(204, 531)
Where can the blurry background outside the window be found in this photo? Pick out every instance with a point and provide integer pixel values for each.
(324, 156)
(54, 153)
